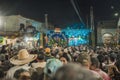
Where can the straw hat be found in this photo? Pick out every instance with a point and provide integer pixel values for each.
(23, 57)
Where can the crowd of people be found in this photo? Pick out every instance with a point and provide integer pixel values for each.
(60, 63)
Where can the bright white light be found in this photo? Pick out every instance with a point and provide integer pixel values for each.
(116, 14)
(75, 38)
(112, 7)
(28, 39)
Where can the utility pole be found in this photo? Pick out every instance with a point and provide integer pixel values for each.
(46, 21)
(92, 27)
(45, 38)
(42, 37)
(87, 21)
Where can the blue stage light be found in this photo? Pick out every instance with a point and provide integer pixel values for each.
(77, 35)
(74, 34)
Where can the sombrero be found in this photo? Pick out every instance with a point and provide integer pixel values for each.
(23, 57)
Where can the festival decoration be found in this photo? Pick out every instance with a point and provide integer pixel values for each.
(58, 38)
(77, 34)
(73, 35)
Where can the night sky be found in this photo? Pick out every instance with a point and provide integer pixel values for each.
(60, 12)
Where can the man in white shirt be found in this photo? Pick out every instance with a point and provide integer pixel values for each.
(40, 62)
(20, 61)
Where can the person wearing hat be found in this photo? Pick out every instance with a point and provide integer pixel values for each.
(20, 61)
(48, 54)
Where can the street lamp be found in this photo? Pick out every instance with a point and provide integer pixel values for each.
(116, 14)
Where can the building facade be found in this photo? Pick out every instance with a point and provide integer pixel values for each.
(103, 27)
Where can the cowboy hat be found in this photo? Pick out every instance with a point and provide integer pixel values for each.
(23, 57)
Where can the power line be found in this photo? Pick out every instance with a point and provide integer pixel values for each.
(76, 10)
